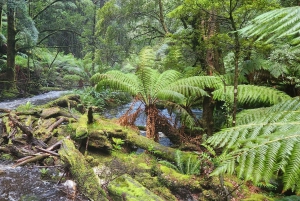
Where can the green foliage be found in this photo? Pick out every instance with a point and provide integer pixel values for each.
(189, 166)
(25, 107)
(252, 95)
(289, 198)
(264, 145)
(117, 143)
(276, 24)
(102, 99)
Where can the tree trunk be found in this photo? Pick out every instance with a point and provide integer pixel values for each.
(207, 121)
(11, 34)
(151, 112)
(161, 17)
(236, 66)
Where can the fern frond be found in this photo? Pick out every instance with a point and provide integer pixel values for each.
(169, 165)
(275, 24)
(250, 94)
(118, 80)
(179, 161)
(261, 149)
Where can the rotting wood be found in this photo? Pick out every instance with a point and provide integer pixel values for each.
(81, 171)
(57, 123)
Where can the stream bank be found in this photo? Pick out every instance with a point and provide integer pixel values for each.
(106, 147)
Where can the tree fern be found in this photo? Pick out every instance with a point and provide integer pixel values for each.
(279, 23)
(263, 147)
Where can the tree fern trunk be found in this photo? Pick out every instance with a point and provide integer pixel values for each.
(152, 113)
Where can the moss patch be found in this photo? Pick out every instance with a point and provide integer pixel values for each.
(126, 188)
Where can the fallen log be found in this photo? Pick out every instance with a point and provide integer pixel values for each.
(81, 171)
(2, 110)
(155, 148)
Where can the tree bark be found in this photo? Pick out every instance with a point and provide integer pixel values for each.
(236, 63)
(152, 113)
(11, 43)
(161, 16)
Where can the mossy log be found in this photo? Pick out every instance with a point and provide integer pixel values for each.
(65, 101)
(155, 148)
(81, 171)
(126, 188)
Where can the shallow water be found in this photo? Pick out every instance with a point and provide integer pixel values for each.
(35, 100)
(25, 184)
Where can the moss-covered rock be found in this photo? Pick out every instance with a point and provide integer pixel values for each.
(126, 188)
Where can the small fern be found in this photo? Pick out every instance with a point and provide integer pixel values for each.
(188, 166)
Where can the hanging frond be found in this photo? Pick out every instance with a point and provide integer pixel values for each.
(265, 148)
(196, 85)
(279, 23)
(118, 81)
(250, 94)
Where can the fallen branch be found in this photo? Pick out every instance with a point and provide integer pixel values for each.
(31, 160)
(56, 124)
(47, 151)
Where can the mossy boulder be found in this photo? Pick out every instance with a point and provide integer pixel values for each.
(127, 189)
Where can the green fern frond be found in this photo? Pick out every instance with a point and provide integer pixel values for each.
(169, 165)
(275, 24)
(261, 149)
(250, 94)
(179, 161)
(117, 80)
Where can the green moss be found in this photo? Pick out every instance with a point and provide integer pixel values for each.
(81, 171)
(255, 197)
(7, 157)
(130, 189)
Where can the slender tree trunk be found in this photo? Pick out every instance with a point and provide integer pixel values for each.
(1, 7)
(11, 34)
(236, 65)
(161, 16)
(152, 113)
(93, 38)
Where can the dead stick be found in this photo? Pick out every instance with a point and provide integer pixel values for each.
(57, 144)
(54, 125)
(33, 159)
(23, 159)
(47, 151)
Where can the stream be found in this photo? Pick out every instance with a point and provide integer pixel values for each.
(25, 183)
